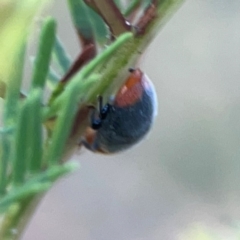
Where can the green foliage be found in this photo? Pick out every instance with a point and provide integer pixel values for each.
(10, 115)
(53, 79)
(34, 136)
(36, 184)
(119, 4)
(87, 22)
(16, 18)
(61, 57)
(131, 7)
(22, 144)
(42, 61)
(86, 76)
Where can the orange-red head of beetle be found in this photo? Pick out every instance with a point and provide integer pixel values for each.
(127, 120)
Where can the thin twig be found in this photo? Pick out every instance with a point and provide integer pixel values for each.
(111, 15)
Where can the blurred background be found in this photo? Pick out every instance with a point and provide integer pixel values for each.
(182, 182)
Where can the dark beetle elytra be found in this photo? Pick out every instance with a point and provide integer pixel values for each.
(127, 120)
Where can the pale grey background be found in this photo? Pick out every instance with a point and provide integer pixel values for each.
(187, 173)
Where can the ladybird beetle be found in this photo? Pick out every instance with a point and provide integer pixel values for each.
(126, 120)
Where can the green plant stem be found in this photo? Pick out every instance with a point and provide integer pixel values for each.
(115, 70)
(18, 216)
(127, 56)
(113, 74)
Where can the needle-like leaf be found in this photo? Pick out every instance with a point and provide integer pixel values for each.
(35, 131)
(9, 116)
(63, 127)
(39, 183)
(20, 149)
(43, 58)
(61, 57)
(82, 21)
(86, 71)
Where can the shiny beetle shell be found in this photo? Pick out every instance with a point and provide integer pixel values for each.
(129, 117)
